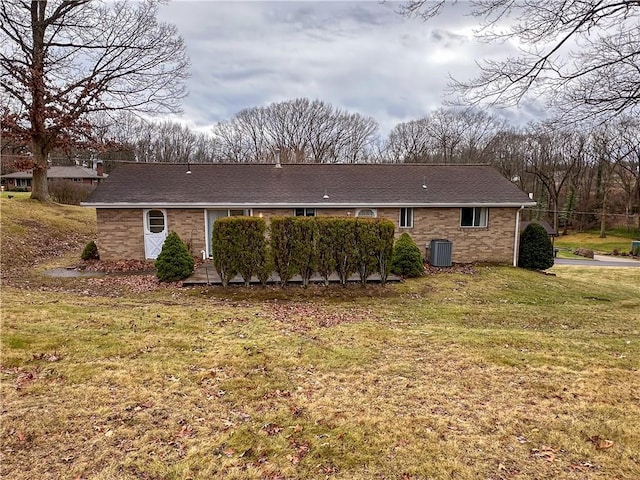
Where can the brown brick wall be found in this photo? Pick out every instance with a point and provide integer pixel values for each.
(189, 225)
(120, 232)
(491, 244)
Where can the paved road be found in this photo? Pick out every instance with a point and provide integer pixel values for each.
(600, 261)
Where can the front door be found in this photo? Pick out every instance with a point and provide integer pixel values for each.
(155, 232)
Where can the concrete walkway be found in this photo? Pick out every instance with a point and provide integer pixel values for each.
(600, 261)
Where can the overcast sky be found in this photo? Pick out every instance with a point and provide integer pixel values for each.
(360, 56)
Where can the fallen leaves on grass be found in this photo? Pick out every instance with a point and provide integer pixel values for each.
(545, 452)
(116, 266)
(601, 443)
(302, 317)
(130, 283)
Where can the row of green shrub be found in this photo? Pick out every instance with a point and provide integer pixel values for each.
(302, 246)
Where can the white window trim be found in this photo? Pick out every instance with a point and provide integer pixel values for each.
(147, 227)
(373, 210)
(410, 223)
(486, 217)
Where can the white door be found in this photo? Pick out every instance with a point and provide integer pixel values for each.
(212, 216)
(155, 232)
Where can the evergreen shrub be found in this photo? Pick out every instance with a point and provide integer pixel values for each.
(90, 251)
(282, 247)
(344, 247)
(367, 238)
(407, 259)
(325, 257)
(384, 252)
(174, 261)
(536, 249)
(303, 247)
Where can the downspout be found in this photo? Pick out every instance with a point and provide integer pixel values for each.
(516, 240)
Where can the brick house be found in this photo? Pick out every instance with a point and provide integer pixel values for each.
(22, 180)
(472, 206)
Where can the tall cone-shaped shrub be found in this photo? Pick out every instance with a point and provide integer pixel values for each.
(384, 252)
(281, 231)
(326, 263)
(536, 249)
(303, 255)
(344, 252)
(407, 260)
(223, 238)
(174, 261)
(367, 244)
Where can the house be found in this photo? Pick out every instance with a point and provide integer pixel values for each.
(22, 180)
(546, 225)
(472, 206)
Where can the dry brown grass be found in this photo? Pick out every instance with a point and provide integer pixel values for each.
(33, 232)
(503, 374)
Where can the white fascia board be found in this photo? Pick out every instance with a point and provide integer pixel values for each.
(307, 205)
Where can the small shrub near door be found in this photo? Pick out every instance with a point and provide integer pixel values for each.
(407, 259)
(536, 249)
(174, 262)
(90, 251)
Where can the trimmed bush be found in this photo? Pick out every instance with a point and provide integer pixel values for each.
(174, 262)
(266, 267)
(536, 249)
(303, 248)
(407, 259)
(222, 238)
(282, 247)
(384, 253)
(344, 247)
(247, 249)
(90, 251)
(325, 257)
(367, 240)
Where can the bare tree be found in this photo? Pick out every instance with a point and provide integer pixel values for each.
(554, 157)
(582, 55)
(299, 131)
(62, 60)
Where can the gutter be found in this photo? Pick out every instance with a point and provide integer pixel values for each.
(516, 240)
(254, 205)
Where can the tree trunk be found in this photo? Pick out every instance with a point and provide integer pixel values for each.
(39, 186)
(603, 217)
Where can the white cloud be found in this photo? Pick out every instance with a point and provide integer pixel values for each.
(360, 56)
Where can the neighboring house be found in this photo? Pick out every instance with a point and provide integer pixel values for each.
(546, 225)
(22, 180)
(473, 206)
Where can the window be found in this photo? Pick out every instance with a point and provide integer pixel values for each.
(406, 218)
(304, 212)
(239, 213)
(474, 217)
(155, 220)
(366, 213)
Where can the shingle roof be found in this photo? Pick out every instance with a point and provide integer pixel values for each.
(59, 172)
(153, 184)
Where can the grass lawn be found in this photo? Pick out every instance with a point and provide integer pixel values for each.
(591, 240)
(503, 374)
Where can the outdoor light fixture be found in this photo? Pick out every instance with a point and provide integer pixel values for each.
(326, 195)
(188, 172)
(424, 182)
